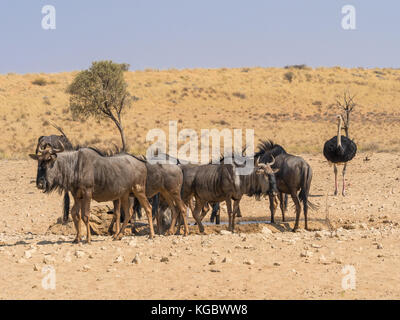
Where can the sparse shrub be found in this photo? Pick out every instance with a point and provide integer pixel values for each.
(297, 66)
(45, 123)
(239, 95)
(245, 70)
(289, 76)
(39, 82)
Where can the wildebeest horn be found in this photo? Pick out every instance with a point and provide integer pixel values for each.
(41, 149)
(53, 150)
(272, 162)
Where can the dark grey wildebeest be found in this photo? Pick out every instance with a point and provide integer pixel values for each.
(88, 174)
(220, 182)
(166, 180)
(294, 175)
(57, 142)
(259, 182)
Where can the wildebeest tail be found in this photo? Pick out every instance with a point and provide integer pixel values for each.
(305, 188)
(66, 207)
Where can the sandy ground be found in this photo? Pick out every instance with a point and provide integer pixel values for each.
(259, 261)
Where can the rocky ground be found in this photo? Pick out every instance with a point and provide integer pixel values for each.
(351, 252)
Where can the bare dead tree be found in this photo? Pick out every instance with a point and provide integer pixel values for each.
(347, 106)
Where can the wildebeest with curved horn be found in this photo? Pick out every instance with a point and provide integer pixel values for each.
(220, 182)
(88, 175)
(294, 174)
(57, 142)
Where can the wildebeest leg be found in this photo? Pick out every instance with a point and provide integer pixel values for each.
(204, 210)
(116, 217)
(199, 205)
(230, 214)
(124, 203)
(215, 214)
(344, 186)
(75, 212)
(282, 205)
(336, 187)
(141, 196)
(86, 214)
(298, 209)
(238, 213)
(272, 207)
(236, 209)
(182, 209)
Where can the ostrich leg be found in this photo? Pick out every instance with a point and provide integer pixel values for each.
(336, 187)
(344, 185)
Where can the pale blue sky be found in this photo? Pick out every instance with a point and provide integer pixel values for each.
(203, 33)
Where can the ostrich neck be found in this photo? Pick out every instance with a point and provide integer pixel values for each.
(339, 137)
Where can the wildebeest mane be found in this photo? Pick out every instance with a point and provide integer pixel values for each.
(267, 149)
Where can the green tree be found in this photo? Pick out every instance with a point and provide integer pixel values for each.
(101, 92)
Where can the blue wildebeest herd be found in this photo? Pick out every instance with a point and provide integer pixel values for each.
(131, 182)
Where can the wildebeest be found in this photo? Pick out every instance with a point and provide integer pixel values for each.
(219, 182)
(166, 180)
(88, 175)
(57, 142)
(294, 174)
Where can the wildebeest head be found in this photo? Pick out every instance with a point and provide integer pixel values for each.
(46, 158)
(266, 170)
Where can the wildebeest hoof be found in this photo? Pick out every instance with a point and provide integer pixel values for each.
(295, 229)
(76, 240)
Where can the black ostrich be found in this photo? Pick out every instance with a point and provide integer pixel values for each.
(339, 150)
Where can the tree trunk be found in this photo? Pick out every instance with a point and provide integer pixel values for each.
(121, 132)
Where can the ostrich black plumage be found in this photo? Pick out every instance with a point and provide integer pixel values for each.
(339, 150)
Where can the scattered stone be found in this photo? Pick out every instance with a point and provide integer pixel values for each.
(111, 270)
(266, 231)
(379, 246)
(212, 261)
(249, 262)
(136, 259)
(306, 254)
(316, 246)
(226, 260)
(119, 259)
(27, 254)
(318, 234)
(79, 254)
(35, 267)
(164, 259)
(85, 268)
(277, 264)
(225, 232)
(323, 260)
(48, 259)
(215, 270)
(132, 243)
(22, 260)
